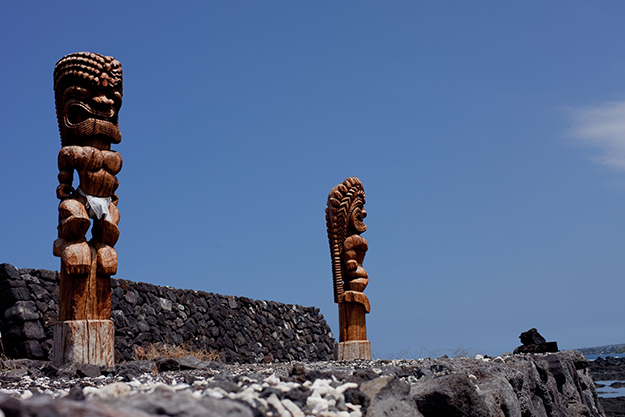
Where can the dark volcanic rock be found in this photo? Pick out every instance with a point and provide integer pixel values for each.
(33, 349)
(449, 395)
(554, 385)
(86, 370)
(299, 395)
(183, 405)
(9, 272)
(131, 370)
(389, 396)
(191, 362)
(533, 342)
(614, 407)
(43, 405)
(22, 311)
(357, 397)
(608, 369)
(238, 329)
(10, 406)
(168, 364)
(532, 337)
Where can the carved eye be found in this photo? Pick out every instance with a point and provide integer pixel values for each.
(75, 92)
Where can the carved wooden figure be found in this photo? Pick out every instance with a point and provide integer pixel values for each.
(344, 218)
(88, 96)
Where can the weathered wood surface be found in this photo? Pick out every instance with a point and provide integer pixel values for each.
(356, 349)
(84, 341)
(85, 296)
(352, 312)
(88, 96)
(344, 219)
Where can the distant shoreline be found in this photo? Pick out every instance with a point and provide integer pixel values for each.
(603, 350)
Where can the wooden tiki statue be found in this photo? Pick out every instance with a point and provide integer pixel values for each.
(88, 96)
(344, 218)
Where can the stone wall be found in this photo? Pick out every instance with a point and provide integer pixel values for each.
(238, 328)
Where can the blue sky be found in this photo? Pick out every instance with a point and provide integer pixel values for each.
(489, 136)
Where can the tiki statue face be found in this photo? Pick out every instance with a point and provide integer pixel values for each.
(344, 218)
(88, 96)
(357, 215)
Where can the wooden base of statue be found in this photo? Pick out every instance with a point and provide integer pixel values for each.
(84, 332)
(353, 343)
(356, 349)
(84, 341)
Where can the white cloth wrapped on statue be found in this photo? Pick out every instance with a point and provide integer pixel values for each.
(97, 206)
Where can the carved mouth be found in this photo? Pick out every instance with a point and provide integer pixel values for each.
(360, 226)
(358, 216)
(82, 120)
(77, 112)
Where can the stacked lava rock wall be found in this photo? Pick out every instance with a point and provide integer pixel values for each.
(238, 328)
(28, 310)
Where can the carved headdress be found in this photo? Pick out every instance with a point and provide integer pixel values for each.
(92, 72)
(94, 68)
(344, 215)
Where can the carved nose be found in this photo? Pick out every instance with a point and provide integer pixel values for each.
(364, 213)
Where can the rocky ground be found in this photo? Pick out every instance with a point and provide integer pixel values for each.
(613, 407)
(510, 385)
(610, 369)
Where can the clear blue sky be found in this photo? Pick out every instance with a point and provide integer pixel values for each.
(489, 136)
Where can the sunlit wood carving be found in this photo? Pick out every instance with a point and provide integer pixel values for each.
(344, 219)
(88, 96)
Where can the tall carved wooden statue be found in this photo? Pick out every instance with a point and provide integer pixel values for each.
(88, 96)
(344, 216)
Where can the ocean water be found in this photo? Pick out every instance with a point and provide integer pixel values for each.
(605, 355)
(608, 391)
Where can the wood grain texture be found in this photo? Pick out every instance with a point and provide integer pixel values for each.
(344, 220)
(352, 317)
(358, 298)
(357, 349)
(84, 341)
(88, 95)
(85, 296)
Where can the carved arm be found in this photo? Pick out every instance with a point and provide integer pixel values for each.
(66, 175)
(354, 255)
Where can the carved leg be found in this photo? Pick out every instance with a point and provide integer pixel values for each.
(71, 246)
(106, 259)
(105, 234)
(73, 220)
(84, 332)
(75, 256)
